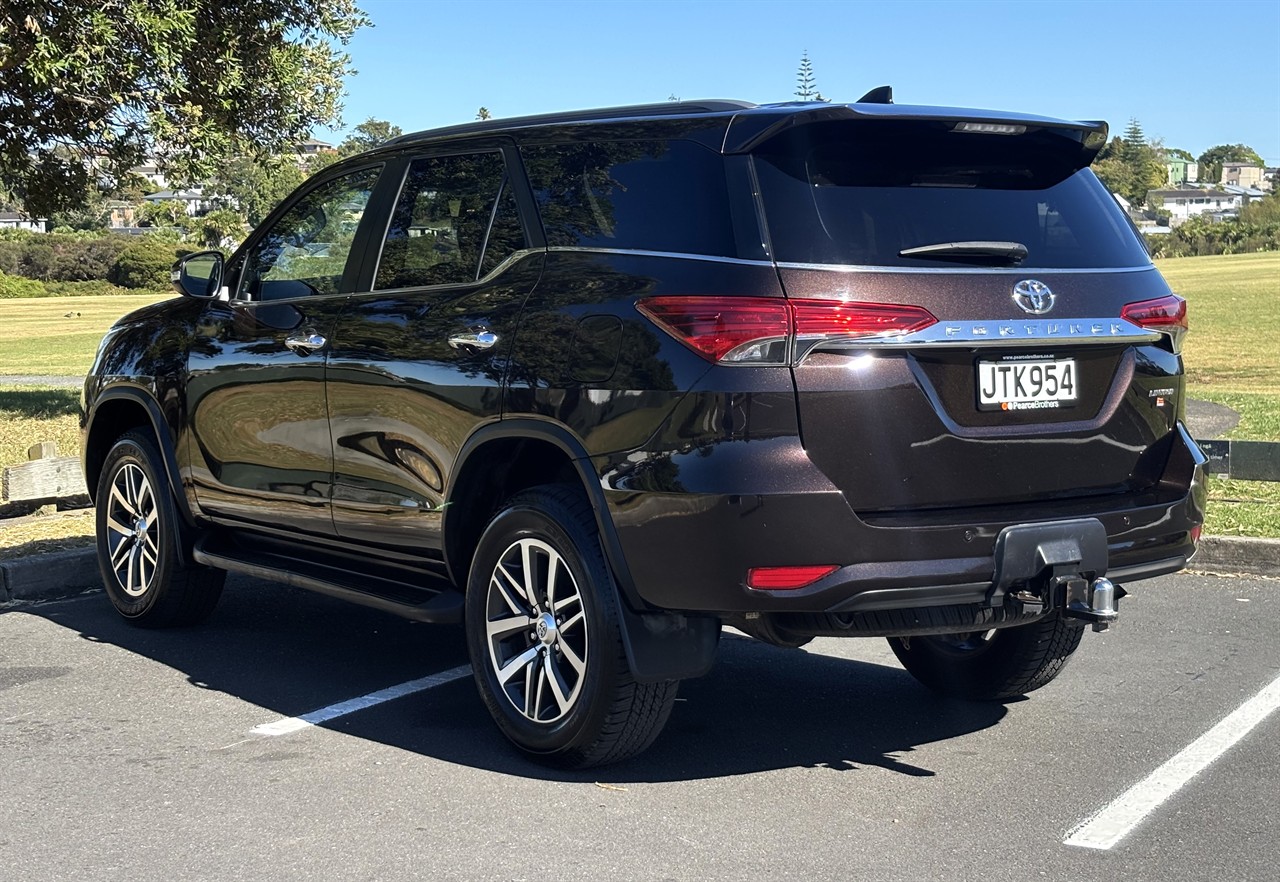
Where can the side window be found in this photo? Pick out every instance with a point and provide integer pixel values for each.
(641, 195)
(305, 252)
(453, 222)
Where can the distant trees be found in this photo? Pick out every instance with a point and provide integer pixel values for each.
(1211, 160)
(88, 89)
(806, 85)
(1131, 165)
(483, 113)
(369, 134)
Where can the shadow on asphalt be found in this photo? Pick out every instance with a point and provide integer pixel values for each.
(290, 652)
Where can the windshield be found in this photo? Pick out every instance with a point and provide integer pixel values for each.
(863, 192)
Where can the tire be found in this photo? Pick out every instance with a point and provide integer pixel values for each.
(139, 541)
(991, 665)
(544, 636)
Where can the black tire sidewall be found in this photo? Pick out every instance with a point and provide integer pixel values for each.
(137, 450)
(536, 519)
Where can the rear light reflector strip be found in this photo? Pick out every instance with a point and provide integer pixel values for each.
(787, 578)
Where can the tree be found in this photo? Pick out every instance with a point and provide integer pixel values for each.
(369, 134)
(221, 228)
(1212, 159)
(483, 113)
(806, 87)
(1131, 165)
(254, 186)
(1176, 153)
(188, 82)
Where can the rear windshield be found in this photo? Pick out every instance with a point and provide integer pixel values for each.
(859, 192)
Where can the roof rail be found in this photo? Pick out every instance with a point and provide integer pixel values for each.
(602, 114)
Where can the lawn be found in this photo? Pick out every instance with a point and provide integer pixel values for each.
(59, 335)
(1232, 357)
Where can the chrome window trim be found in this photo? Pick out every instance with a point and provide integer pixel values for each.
(498, 270)
(851, 268)
(990, 270)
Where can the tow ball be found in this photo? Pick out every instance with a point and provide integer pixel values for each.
(1096, 602)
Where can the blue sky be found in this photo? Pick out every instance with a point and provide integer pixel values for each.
(1195, 74)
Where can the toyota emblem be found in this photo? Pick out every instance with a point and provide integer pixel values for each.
(1033, 296)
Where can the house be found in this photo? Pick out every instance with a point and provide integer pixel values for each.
(16, 220)
(150, 172)
(311, 147)
(195, 202)
(1183, 204)
(1182, 171)
(1242, 174)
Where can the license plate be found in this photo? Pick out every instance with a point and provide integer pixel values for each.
(1026, 385)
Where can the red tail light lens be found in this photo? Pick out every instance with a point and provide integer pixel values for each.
(851, 318)
(725, 328)
(1163, 313)
(763, 330)
(783, 578)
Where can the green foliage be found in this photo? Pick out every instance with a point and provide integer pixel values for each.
(1131, 165)
(1200, 236)
(1212, 159)
(221, 228)
(1262, 211)
(372, 133)
(1178, 153)
(806, 85)
(15, 286)
(145, 263)
(483, 113)
(254, 186)
(110, 82)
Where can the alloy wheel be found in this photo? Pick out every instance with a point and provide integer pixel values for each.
(536, 630)
(133, 530)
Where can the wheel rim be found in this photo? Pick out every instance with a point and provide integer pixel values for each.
(133, 531)
(536, 631)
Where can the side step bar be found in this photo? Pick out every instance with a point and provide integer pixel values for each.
(444, 607)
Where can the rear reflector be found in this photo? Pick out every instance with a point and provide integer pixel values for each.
(782, 578)
(764, 330)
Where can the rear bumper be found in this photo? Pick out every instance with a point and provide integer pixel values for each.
(690, 551)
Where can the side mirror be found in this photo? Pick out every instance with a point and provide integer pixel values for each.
(199, 275)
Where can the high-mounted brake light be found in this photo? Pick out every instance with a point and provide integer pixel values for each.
(786, 578)
(773, 330)
(1166, 314)
(989, 128)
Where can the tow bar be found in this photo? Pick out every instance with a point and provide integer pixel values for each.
(1057, 566)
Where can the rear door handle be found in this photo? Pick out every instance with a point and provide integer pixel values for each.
(305, 343)
(474, 340)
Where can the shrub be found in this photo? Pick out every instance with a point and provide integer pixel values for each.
(144, 263)
(15, 286)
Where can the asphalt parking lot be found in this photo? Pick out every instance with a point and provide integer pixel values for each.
(128, 754)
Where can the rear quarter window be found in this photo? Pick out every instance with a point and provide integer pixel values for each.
(633, 195)
(858, 193)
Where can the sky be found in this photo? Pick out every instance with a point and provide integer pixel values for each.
(1194, 74)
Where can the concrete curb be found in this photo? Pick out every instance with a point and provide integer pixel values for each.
(49, 576)
(68, 573)
(1238, 554)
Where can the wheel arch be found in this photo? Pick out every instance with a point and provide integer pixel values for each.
(116, 411)
(507, 456)
(502, 458)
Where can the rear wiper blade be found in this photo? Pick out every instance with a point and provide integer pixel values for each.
(1012, 252)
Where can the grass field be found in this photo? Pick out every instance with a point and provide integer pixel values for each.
(1232, 356)
(59, 335)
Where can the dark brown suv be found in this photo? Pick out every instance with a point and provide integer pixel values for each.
(596, 384)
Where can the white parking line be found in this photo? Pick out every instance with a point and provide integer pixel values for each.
(323, 715)
(1114, 822)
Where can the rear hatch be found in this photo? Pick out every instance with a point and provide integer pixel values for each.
(1035, 357)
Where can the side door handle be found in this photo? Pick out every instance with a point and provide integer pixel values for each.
(478, 339)
(305, 343)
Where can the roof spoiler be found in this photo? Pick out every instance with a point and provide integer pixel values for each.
(752, 128)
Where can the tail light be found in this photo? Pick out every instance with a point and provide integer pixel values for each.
(771, 330)
(1167, 314)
